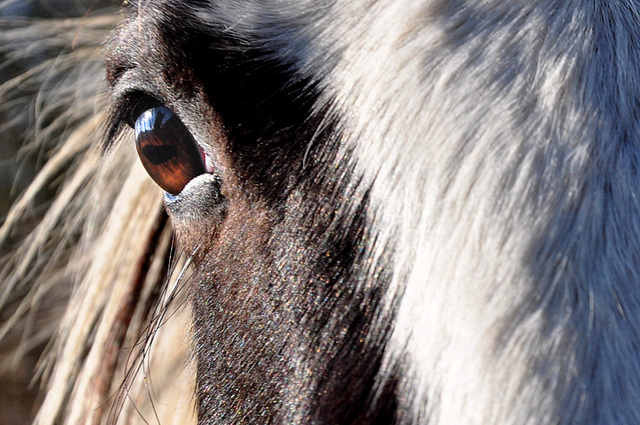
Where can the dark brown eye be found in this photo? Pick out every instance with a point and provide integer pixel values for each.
(167, 150)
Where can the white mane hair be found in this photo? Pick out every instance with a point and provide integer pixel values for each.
(498, 144)
(509, 188)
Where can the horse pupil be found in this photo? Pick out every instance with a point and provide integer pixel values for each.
(158, 155)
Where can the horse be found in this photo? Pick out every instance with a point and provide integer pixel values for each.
(391, 212)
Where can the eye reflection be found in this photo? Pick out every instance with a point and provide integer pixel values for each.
(167, 150)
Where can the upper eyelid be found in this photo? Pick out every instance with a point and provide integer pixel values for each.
(124, 110)
(121, 76)
(135, 103)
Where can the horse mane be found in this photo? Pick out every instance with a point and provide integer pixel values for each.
(83, 260)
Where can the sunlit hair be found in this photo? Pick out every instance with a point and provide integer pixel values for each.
(396, 211)
(84, 273)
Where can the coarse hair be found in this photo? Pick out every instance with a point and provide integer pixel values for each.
(84, 261)
(399, 212)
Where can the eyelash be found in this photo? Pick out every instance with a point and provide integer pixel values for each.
(136, 104)
(125, 111)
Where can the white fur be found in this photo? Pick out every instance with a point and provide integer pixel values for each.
(517, 272)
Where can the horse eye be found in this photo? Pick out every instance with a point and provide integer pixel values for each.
(167, 150)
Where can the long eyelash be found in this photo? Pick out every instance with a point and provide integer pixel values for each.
(163, 311)
(123, 113)
(114, 126)
(154, 241)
